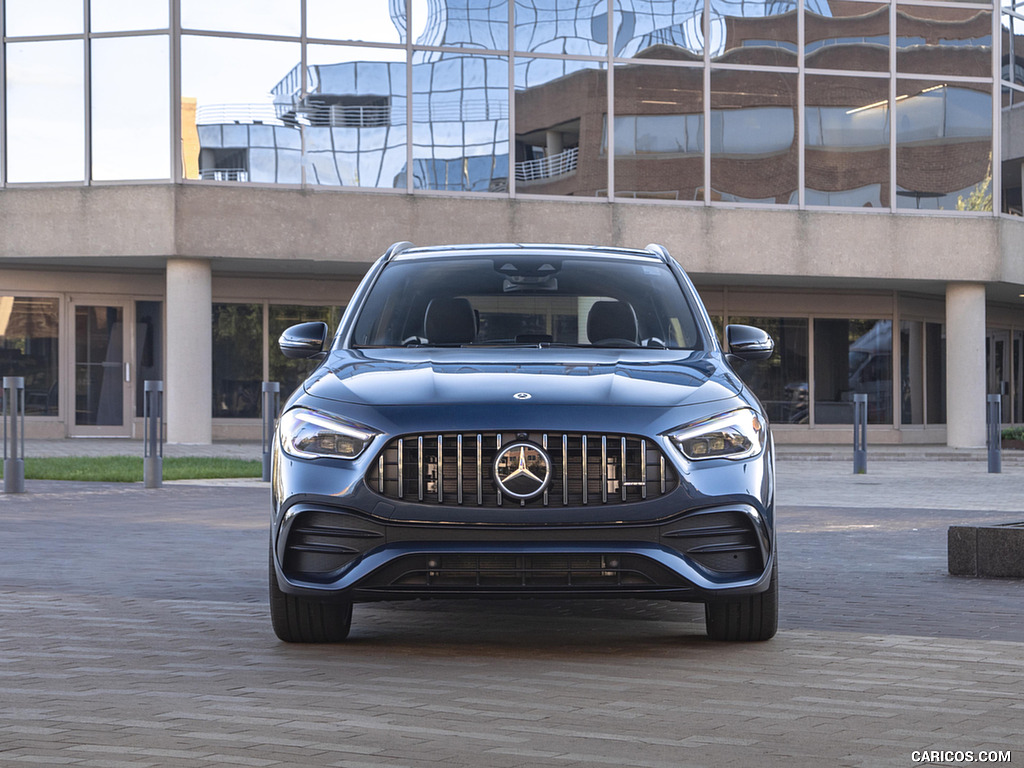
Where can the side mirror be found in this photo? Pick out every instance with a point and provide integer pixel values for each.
(747, 343)
(304, 341)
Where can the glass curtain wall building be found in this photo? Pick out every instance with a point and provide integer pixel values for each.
(829, 106)
(842, 104)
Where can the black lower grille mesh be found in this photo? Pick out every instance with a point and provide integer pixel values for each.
(518, 571)
(724, 541)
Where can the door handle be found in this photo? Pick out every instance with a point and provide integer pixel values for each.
(128, 373)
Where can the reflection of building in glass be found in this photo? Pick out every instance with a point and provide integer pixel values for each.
(348, 123)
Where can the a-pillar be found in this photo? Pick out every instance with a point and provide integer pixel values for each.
(965, 365)
(188, 373)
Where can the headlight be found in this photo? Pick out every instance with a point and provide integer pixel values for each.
(737, 434)
(310, 435)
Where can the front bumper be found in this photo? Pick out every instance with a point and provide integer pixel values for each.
(324, 550)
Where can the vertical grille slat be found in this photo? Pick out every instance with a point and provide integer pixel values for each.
(459, 468)
(623, 465)
(643, 469)
(586, 468)
(544, 445)
(419, 467)
(584, 459)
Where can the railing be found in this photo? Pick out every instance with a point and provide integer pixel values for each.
(548, 167)
(346, 115)
(224, 174)
(213, 114)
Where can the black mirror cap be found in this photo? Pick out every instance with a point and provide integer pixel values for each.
(304, 341)
(748, 343)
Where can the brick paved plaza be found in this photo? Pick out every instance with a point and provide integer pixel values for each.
(135, 633)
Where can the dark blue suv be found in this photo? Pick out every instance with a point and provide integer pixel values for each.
(509, 421)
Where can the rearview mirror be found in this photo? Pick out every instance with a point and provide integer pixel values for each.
(304, 341)
(748, 343)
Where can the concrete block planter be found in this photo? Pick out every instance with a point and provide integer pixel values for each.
(991, 551)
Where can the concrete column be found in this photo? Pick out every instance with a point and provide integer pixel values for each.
(553, 142)
(965, 365)
(188, 368)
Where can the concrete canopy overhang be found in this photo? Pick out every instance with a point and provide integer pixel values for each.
(311, 232)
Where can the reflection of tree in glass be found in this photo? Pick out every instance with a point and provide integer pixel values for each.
(291, 373)
(237, 359)
(979, 198)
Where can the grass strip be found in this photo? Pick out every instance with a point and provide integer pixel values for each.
(128, 469)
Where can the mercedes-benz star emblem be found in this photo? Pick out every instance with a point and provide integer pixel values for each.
(522, 395)
(522, 470)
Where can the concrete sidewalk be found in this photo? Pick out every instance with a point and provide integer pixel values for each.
(135, 633)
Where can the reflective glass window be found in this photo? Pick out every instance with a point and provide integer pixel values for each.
(44, 17)
(943, 146)
(852, 357)
(373, 22)
(754, 33)
(935, 372)
(45, 111)
(1012, 34)
(267, 17)
(848, 35)
(560, 108)
(29, 347)
(659, 132)
(780, 382)
(943, 41)
(846, 123)
(291, 373)
(461, 23)
(241, 88)
(130, 136)
(118, 15)
(237, 360)
(922, 373)
(556, 26)
(353, 115)
(912, 361)
(753, 137)
(460, 123)
(149, 348)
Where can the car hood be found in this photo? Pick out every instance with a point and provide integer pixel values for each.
(552, 376)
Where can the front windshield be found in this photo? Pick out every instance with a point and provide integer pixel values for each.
(532, 300)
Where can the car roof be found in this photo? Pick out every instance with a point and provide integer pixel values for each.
(490, 250)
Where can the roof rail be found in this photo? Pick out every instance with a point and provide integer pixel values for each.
(658, 250)
(396, 248)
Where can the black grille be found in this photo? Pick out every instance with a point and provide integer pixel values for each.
(457, 469)
(320, 544)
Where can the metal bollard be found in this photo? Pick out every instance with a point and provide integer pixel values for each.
(14, 425)
(860, 434)
(994, 441)
(271, 404)
(153, 433)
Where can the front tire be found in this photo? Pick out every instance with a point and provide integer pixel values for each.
(747, 618)
(303, 620)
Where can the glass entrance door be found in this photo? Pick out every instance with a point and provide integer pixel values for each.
(101, 372)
